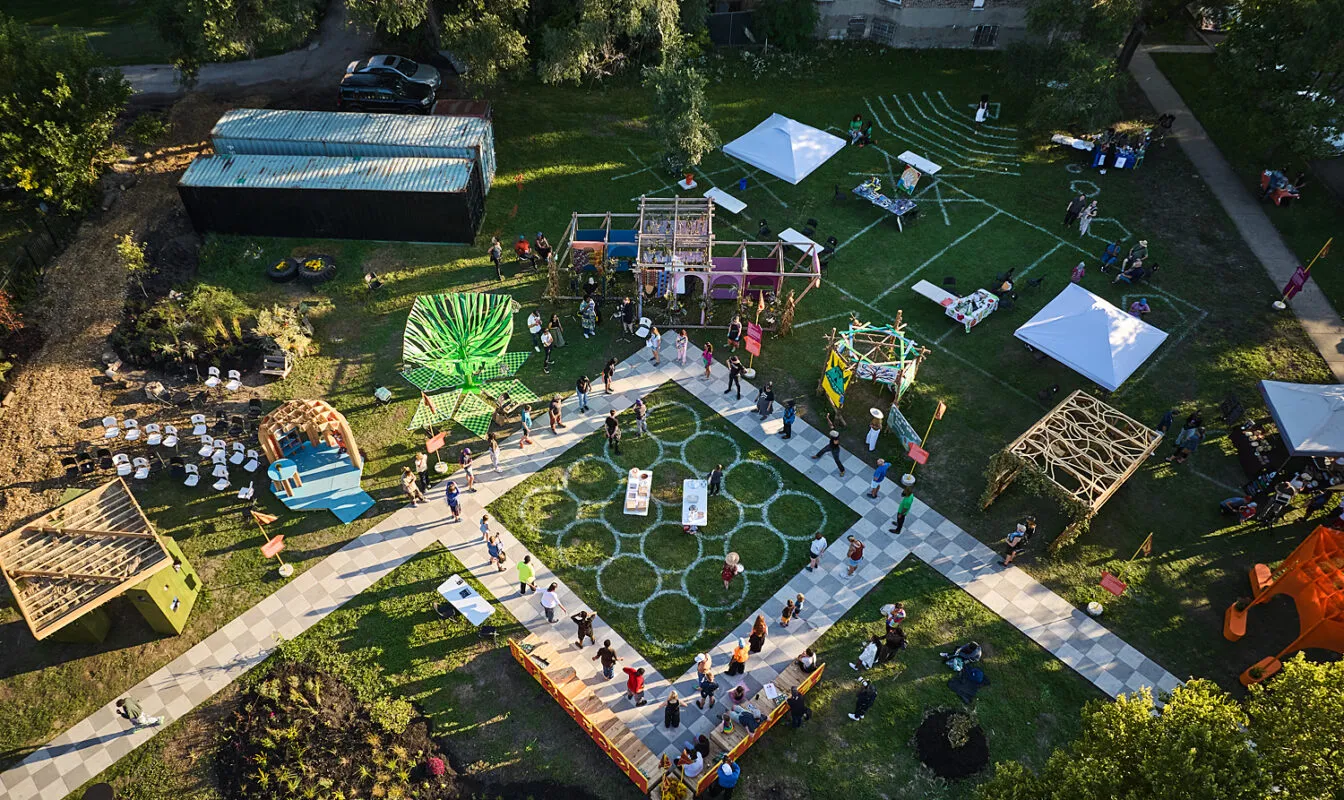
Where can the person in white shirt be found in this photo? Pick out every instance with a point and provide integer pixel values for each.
(534, 328)
(817, 547)
(550, 600)
(692, 763)
(655, 344)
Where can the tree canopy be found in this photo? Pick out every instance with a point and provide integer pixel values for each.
(201, 31)
(57, 109)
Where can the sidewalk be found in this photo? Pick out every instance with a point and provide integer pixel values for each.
(1320, 321)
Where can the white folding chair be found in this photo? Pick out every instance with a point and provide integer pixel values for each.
(170, 436)
(123, 464)
(212, 381)
(247, 492)
(645, 325)
(153, 434)
(239, 453)
(207, 445)
(220, 471)
(198, 425)
(141, 465)
(221, 485)
(193, 475)
(132, 428)
(235, 381)
(110, 429)
(252, 461)
(219, 456)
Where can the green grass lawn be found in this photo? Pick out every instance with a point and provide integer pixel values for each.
(656, 585)
(1304, 225)
(118, 29)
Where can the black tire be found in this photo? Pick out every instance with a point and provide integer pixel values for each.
(326, 273)
(283, 271)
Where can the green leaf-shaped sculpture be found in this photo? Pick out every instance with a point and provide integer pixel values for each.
(453, 340)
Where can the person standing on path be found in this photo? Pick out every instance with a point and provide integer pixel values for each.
(734, 333)
(609, 373)
(634, 685)
(790, 415)
(548, 347)
(1085, 218)
(907, 502)
(422, 470)
(798, 710)
(525, 418)
(534, 328)
(815, 549)
(798, 602)
(493, 442)
(737, 662)
(496, 255)
(832, 446)
(735, 370)
(129, 708)
(672, 711)
(464, 460)
(855, 555)
(526, 575)
(555, 413)
(707, 689)
(707, 356)
(496, 551)
(655, 345)
(725, 779)
(581, 387)
(557, 330)
(550, 600)
(410, 487)
(715, 480)
(607, 655)
(757, 639)
(485, 527)
(641, 417)
(786, 615)
(585, 622)
(765, 400)
(867, 696)
(1073, 209)
(683, 343)
(1013, 544)
(613, 432)
(452, 493)
(879, 475)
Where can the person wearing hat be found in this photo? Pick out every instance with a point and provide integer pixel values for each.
(1014, 543)
(833, 447)
(703, 663)
(879, 475)
(737, 662)
(1139, 307)
(1136, 253)
(731, 569)
(542, 247)
(523, 252)
(874, 429)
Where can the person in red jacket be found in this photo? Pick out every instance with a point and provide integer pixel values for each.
(634, 685)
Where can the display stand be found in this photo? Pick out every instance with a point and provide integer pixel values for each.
(639, 486)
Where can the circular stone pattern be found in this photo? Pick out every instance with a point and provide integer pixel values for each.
(591, 479)
(628, 580)
(670, 548)
(751, 482)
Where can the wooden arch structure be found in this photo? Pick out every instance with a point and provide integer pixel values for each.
(316, 421)
(1085, 450)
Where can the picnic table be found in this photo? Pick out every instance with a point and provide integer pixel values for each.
(919, 162)
(798, 240)
(466, 599)
(638, 488)
(898, 207)
(725, 201)
(968, 310)
(694, 502)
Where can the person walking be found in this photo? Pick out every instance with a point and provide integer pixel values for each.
(581, 387)
(798, 602)
(815, 549)
(609, 373)
(555, 413)
(1085, 218)
(557, 330)
(765, 400)
(464, 460)
(485, 527)
(672, 711)
(129, 708)
(1187, 447)
(790, 415)
(496, 551)
(715, 480)
(708, 686)
(526, 575)
(879, 475)
(981, 113)
(1073, 209)
(707, 356)
(655, 345)
(634, 685)
(786, 615)
(613, 432)
(628, 314)
(534, 328)
(588, 317)
(497, 255)
(1013, 544)
(732, 567)
(422, 470)
(757, 638)
(864, 702)
(737, 662)
(735, 370)
(410, 487)
(550, 600)
(492, 441)
(584, 620)
(832, 446)
(641, 416)
(725, 779)
(683, 343)
(525, 418)
(907, 502)
(607, 655)
(854, 554)
(547, 347)
(798, 710)
(451, 493)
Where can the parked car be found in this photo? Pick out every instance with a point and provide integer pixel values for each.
(397, 65)
(364, 91)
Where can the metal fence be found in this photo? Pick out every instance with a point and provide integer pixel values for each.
(731, 29)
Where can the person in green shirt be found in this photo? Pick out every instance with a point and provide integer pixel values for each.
(907, 500)
(855, 126)
(129, 708)
(526, 575)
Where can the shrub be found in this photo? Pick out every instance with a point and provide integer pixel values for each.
(286, 328)
(787, 24)
(207, 328)
(147, 129)
(392, 714)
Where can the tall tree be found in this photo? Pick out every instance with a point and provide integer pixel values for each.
(680, 112)
(606, 36)
(1295, 722)
(57, 108)
(201, 31)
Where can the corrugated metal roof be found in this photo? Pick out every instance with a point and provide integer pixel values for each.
(321, 172)
(327, 126)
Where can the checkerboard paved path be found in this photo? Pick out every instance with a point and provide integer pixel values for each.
(93, 744)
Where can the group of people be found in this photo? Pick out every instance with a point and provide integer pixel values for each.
(537, 252)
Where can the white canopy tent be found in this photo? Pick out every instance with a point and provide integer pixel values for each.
(1091, 336)
(785, 148)
(1310, 418)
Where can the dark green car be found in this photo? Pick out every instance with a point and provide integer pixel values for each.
(363, 91)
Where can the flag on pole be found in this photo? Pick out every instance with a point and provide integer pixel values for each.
(429, 403)
(760, 302)
(942, 409)
(263, 519)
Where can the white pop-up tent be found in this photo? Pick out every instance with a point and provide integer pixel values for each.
(1091, 336)
(1310, 417)
(785, 148)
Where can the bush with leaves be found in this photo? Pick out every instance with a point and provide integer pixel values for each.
(680, 114)
(132, 255)
(212, 326)
(148, 129)
(786, 24)
(201, 31)
(285, 327)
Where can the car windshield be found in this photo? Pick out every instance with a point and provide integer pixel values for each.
(403, 65)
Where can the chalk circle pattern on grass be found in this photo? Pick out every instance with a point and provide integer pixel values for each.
(649, 565)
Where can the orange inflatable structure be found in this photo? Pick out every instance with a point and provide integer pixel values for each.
(1313, 575)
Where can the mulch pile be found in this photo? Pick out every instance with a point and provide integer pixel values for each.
(934, 749)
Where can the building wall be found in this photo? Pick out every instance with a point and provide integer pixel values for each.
(924, 23)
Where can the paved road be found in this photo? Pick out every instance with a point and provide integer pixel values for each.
(1319, 319)
(336, 44)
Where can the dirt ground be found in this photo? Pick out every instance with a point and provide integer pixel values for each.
(54, 400)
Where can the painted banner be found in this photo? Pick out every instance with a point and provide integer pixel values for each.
(909, 178)
(435, 443)
(754, 338)
(899, 425)
(836, 379)
(918, 454)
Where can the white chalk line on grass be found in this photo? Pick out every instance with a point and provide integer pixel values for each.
(638, 160)
(967, 140)
(918, 141)
(865, 229)
(1037, 262)
(937, 255)
(933, 128)
(754, 175)
(967, 122)
(953, 109)
(820, 320)
(939, 194)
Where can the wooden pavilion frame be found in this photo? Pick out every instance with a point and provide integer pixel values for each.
(79, 556)
(319, 422)
(1085, 448)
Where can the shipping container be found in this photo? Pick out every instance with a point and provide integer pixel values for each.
(275, 132)
(392, 199)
